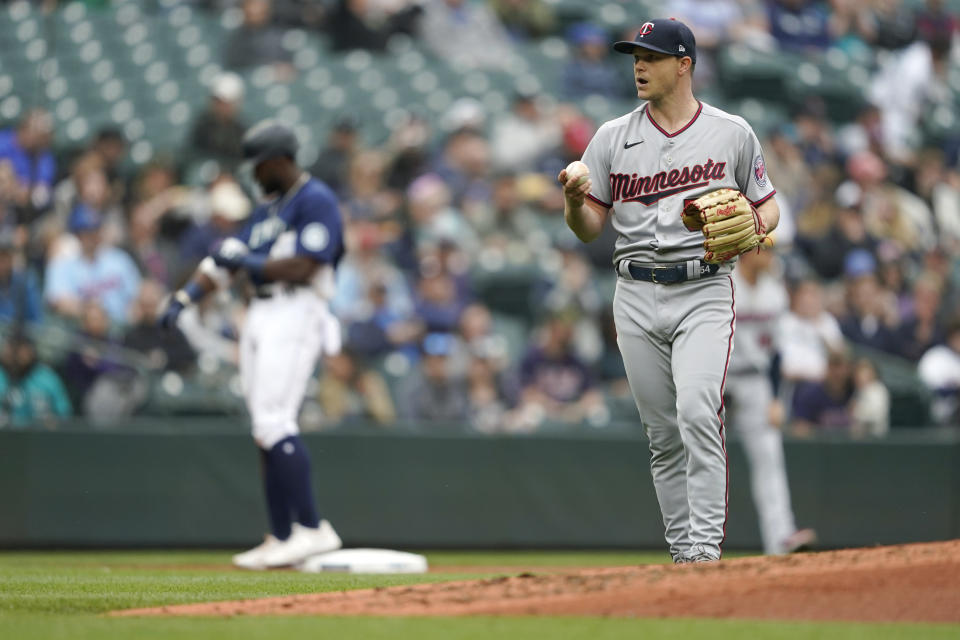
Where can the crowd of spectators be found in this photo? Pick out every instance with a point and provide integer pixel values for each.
(465, 301)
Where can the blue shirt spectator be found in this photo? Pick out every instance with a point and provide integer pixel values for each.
(589, 72)
(27, 151)
(98, 273)
(19, 291)
(799, 25)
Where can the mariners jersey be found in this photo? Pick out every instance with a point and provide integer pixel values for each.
(305, 221)
(759, 308)
(645, 176)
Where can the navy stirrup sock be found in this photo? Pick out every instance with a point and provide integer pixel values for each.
(289, 460)
(278, 509)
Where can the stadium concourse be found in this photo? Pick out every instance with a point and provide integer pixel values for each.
(441, 125)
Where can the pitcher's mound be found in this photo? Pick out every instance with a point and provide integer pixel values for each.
(919, 583)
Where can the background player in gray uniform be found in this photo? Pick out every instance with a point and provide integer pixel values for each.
(674, 313)
(288, 251)
(755, 413)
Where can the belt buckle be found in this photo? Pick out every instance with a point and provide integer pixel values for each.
(653, 276)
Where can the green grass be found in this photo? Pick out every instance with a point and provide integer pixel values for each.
(53, 595)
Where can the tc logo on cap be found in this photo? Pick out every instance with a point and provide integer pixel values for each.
(645, 29)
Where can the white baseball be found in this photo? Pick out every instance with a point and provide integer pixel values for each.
(577, 169)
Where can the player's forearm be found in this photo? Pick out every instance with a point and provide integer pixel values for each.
(770, 213)
(196, 289)
(585, 222)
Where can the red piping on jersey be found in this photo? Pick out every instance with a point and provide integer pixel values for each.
(723, 442)
(764, 198)
(646, 110)
(599, 201)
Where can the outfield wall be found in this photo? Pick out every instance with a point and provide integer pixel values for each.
(201, 488)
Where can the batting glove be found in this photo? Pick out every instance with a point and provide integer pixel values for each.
(233, 255)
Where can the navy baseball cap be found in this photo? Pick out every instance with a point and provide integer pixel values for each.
(665, 35)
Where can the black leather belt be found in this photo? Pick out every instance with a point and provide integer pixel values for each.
(269, 291)
(669, 273)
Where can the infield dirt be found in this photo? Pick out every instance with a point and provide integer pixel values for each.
(915, 583)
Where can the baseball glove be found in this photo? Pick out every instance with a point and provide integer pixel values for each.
(730, 224)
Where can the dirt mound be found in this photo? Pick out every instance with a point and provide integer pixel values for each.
(919, 583)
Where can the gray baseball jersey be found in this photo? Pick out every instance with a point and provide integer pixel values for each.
(646, 175)
(676, 340)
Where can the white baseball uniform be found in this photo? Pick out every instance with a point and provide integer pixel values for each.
(676, 339)
(760, 307)
(289, 327)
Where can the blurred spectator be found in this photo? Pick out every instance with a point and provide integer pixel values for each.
(939, 370)
(891, 24)
(825, 407)
(433, 215)
(466, 34)
(865, 133)
(488, 408)
(348, 392)
(434, 393)
(362, 24)
(163, 349)
(464, 165)
(381, 330)
(336, 157)
(503, 217)
(555, 384)
(572, 288)
(610, 369)
(813, 133)
(716, 24)
(229, 207)
(521, 137)
(99, 273)
(921, 329)
(363, 266)
(784, 160)
(110, 146)
(96, 372)
(31, 393)
(590, 71)
(410, 152)
(870, 406)
(890, 212)
(808, 333)
(799, 25)
(525, 19)
(936, 22)
(903, 87)
(826, 253)
(19, 291)
(939, 188)
(365, 195)
(437, 303)
(478, 338)
(217, 131)
(257, 41)
(27, 152)
(871, 317)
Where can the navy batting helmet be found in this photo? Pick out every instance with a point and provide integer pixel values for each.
(267, 139)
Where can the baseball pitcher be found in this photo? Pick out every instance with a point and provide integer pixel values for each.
(289, 250)
(685, 187)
